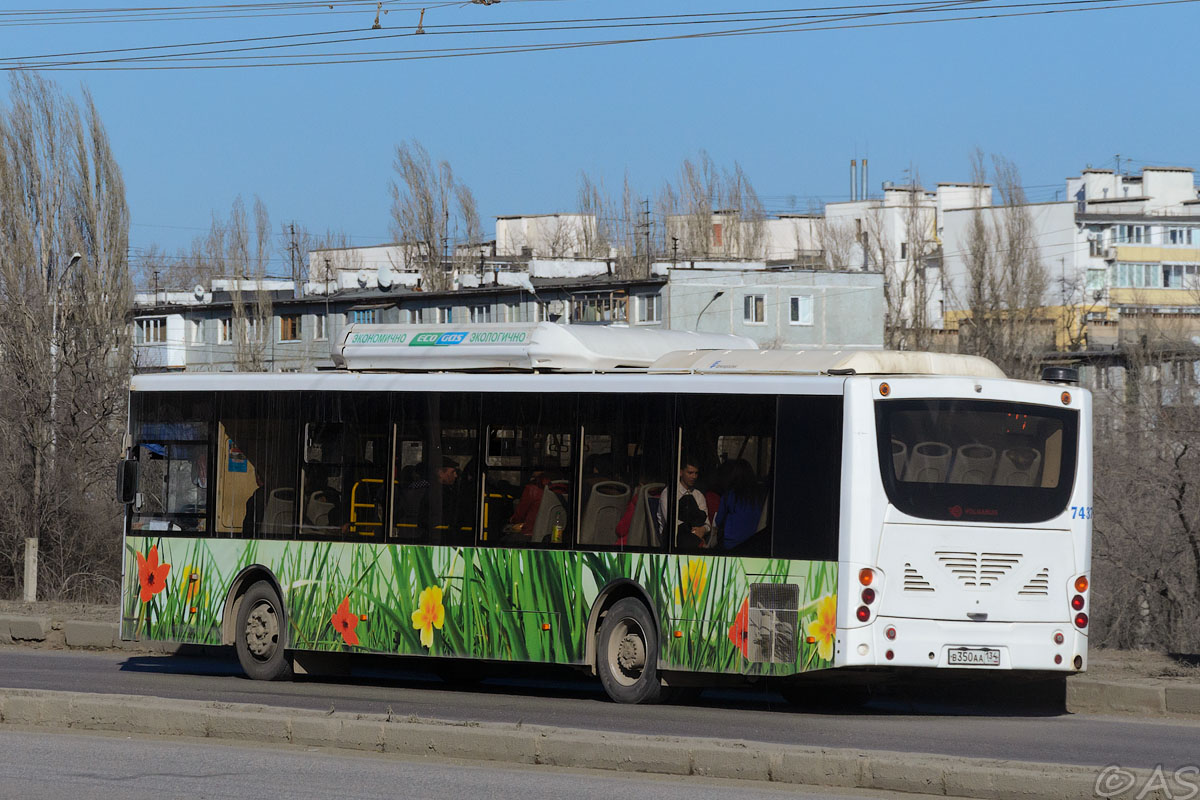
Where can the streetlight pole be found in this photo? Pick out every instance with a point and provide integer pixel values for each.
(54, 287)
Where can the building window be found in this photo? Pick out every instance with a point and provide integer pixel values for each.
(649, 308)
(1180, 276)
(150, 330)
(445, 315)
(1136, 276)
(289, 328)
(1131, 234)
(513, 312)
(225, 331)
(754, 309)
(543, 312)
(481, 313)
(364, 316)
(1096, 280)
(600, 307)
(413, 316)
(718, 235)
(1179, 235)
(801, 310)
(254, 331)
(319, 332)
(903, 250)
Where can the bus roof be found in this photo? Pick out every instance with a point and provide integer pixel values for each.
(550, 347)
(827, 362)
(544, 346)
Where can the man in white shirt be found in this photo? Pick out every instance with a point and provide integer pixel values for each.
(688, 520)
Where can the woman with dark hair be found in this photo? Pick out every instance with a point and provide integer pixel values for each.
(741, 505)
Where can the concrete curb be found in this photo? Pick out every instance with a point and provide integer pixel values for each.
(537, 745)
(1143, 697)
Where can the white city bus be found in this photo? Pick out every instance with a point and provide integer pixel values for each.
(658, 508)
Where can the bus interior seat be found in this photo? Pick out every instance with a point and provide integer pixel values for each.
(899, 457)
(318, 509)
(643, 532)
(603, 511)
(928, 463)
(973, 463)
(551, 511)
(1018, 467)
(277, 518)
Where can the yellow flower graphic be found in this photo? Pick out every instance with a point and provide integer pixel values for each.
(189, 584)
(693, 577)
(824, 627)
(430, 614)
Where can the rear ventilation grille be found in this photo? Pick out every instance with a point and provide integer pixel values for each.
(914, 582)
(978, 570)
(1039, 585)
(772, 619)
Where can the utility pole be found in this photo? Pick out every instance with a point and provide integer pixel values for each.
(674, 250)
(646, 217)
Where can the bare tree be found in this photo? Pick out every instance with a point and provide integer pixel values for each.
(905, 266)
(595, 206)
(711, 211)
(1006, 279)
(431, 211)
(839, 242)
(64, 342)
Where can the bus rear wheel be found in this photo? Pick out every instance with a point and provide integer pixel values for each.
(260, 634)
(627, 654)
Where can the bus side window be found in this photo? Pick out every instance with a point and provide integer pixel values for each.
(808, 478)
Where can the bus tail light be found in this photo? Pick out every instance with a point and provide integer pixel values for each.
(1077, 602)
(866, 576)
(864, 613)
(1081, 584)
(1081, 620)
(890, 633)
(868, 596)
(1058, 637)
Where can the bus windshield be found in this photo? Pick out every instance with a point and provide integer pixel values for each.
(977, 461)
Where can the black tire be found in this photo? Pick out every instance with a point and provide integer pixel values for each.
(259, 635)
(627, 654)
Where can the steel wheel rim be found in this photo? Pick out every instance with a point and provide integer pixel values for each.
(627, 652)
(262, 631)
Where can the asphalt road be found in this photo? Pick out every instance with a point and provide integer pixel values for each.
(66, 766)
(920, 723)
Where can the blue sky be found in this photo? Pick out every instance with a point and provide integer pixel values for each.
(1053, 93)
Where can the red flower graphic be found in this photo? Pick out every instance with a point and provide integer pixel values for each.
(151, 575)
(345, 622)
(738, 631)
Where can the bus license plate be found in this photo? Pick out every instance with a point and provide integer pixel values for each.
(974, 657)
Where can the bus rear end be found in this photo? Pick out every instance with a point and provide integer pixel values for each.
(967, 509)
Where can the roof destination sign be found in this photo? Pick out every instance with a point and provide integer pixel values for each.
(523, 347)
(437, 339)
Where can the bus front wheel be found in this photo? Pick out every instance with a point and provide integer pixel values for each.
(628, 654)
(260, 634)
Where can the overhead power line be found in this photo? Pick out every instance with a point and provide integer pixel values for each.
(266, 51)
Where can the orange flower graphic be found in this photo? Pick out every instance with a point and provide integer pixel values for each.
(345, 622)
(151, 575)
(430, 614)
(824, 627)
(739, 631)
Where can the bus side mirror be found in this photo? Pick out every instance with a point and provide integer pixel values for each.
(127, 474)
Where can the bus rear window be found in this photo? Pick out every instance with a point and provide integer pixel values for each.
(977, 461)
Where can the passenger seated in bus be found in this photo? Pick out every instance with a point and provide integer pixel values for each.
(696, 528)
(741, 505)
(435, 516)
(526, 511)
